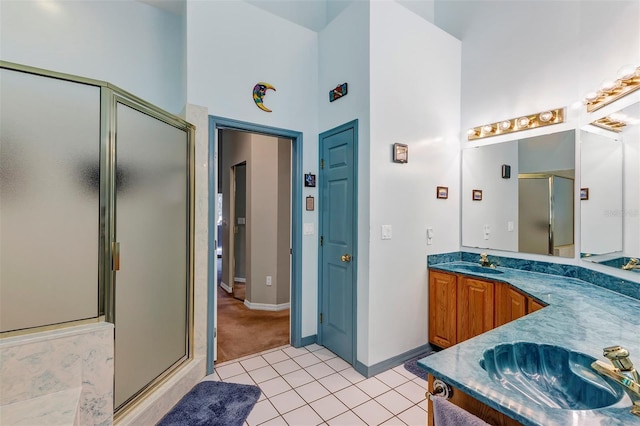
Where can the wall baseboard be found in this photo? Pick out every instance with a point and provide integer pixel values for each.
(374, 369)
(226, 287)
(308, 340)
(240, 280)
(266, 306)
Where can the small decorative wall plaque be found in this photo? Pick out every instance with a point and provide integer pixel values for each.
(476, 195)
(259, 90)
(442, 192)
(400, 153)
(310, 203)
(310, 180)
(338, 92)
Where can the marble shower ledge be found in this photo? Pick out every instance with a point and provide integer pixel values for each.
(581, 317)
(59, 408)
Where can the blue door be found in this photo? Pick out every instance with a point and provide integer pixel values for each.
(338, 236)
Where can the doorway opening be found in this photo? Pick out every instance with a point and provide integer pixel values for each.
(254, 181)
(255, 269)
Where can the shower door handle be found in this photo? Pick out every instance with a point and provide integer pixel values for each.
(115, 256)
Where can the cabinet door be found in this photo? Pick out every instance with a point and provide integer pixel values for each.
(475, 307)
(442, 309)
(510, 304)
(534, 305)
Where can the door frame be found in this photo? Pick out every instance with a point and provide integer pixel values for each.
(219, 123)
(354, 230)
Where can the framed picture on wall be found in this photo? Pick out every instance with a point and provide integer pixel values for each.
(584, 193)
(400, 153)
(442, 192)
(476, 195)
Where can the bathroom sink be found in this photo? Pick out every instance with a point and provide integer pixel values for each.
(479, 269)
(550, 376)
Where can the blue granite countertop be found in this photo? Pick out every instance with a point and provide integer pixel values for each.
(580, 316)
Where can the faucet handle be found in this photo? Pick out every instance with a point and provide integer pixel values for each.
(619, 357)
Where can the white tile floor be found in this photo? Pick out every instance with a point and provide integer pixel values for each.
(312, 386)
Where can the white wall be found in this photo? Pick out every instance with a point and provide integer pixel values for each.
(344, 57)
(482, 169)
(528, 56)
(137, 47)
(233, 45)
(415, 100)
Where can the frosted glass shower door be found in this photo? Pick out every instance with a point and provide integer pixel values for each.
(152, 227)
(49, 200)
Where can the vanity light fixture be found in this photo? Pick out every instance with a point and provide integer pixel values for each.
(524, 122)
(613, 122)
(627, 81)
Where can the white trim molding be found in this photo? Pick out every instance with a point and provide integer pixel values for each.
(266, 306)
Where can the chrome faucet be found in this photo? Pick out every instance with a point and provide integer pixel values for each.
(622, 371)
(632, 264)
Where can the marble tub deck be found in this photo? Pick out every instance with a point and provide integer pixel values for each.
(580, 316)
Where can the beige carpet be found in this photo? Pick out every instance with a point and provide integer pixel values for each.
(243, 331)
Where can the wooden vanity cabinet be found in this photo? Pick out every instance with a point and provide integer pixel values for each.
(442, 309)
(461, 307)
(475, 307)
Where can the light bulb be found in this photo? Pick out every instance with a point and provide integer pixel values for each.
(523, 121)
(609, 85)
(617, 116)
(505, 125)
(487, 128)
(591, 96)
(627, 72)
(545, 116)
(471, 132)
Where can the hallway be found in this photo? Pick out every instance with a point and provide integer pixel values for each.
(243, 331)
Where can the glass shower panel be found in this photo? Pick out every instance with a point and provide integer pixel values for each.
(533, 215)
(151, 288)
(563, 211)
(49, 200)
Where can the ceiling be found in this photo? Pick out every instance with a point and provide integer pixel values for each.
(316, 14)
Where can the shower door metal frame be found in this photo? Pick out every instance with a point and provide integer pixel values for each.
(110, 96)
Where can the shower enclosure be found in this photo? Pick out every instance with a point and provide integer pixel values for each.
(96, 220)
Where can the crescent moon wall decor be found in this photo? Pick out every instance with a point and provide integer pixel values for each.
(259, 90)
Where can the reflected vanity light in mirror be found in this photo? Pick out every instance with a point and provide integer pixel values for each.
(526, 122)
(627, 81)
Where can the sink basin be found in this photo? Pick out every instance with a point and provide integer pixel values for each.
(479, 269)
(550, 376)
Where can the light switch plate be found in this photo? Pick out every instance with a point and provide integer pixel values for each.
(308, 229)
(387, 232)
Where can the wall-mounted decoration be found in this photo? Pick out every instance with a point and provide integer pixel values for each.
(338, 92)
(584, 193)
(310, 203)
(400, 153)
(442, 192)
(259, 90)
(525, 122)
(310, 180)
(506, 171)
(476, 195)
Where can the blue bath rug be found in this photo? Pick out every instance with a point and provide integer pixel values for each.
(412, 365)
(212, 403)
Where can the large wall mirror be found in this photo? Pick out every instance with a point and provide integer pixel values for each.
(609, 170)
(519, 195)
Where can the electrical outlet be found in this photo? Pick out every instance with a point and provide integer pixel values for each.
(268, 280)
